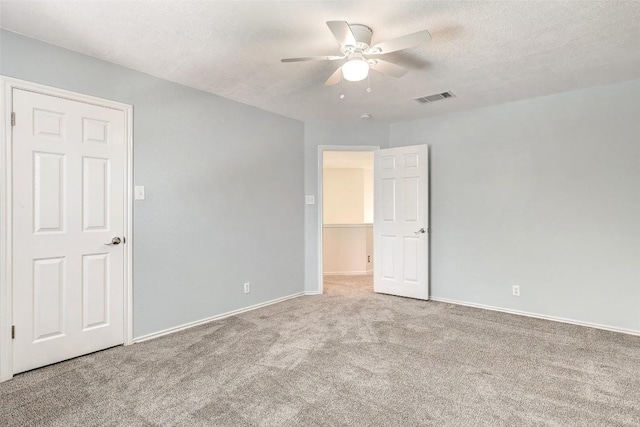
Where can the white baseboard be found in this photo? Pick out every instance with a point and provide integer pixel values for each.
(313, 293)
(538, 316)
(212, 318)
(347, 273)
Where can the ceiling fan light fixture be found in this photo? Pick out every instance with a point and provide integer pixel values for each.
(355, 69)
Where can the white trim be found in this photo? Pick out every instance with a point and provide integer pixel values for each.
(128, 247)
(182, 327)
(347, 225)
(537, 316)
(6, 350)
(321, 149)
(313, 293)
(7, 84)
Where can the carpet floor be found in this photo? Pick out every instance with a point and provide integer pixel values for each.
(346, 358)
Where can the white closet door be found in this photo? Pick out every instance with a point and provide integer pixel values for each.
(68, 197)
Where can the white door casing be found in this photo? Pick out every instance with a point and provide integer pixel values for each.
(401, 221)
(70, 291)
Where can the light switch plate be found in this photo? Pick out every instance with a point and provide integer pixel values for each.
(310, 200)
(139, 192)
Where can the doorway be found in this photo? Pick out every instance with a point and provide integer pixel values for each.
(400, 260)
(66, 227)
(347, 219)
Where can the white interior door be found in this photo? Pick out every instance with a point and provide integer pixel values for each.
(68, 207)
(401, 221)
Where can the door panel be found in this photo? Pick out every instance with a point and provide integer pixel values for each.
(410, 250)
(400, 213)
(48, 298)
(411, 199)
(68, 202)
(95, 291)
(48, 123)
(388, 196)
(95, 197)
(48, 209)
(94, 130)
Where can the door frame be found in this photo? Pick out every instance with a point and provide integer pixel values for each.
(7, 84)
(321, 150)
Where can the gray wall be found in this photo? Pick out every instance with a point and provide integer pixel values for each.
(224, 184)
(542, 193)
(316, 134)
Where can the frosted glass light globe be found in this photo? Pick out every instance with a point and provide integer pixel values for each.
(355, 69)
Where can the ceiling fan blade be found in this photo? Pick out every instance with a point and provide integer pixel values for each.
(313, 58)
(342, 32)
(400, 43)
(335, 78)
(389, 68)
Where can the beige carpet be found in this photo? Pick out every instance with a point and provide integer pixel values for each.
(349, 357)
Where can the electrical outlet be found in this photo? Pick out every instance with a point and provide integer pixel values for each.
(516, 290)
(247, 288)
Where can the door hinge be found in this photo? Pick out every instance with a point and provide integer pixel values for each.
(13, 118)
(13, 332)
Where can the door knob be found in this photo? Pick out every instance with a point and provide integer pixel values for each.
(114, 241)
(422, 230)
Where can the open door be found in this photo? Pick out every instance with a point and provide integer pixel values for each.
(401, 221)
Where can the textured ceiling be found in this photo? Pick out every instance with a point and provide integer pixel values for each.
(485, 52)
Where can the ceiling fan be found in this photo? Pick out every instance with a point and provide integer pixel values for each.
(355, 46)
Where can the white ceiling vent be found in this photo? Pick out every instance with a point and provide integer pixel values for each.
(435, 97)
